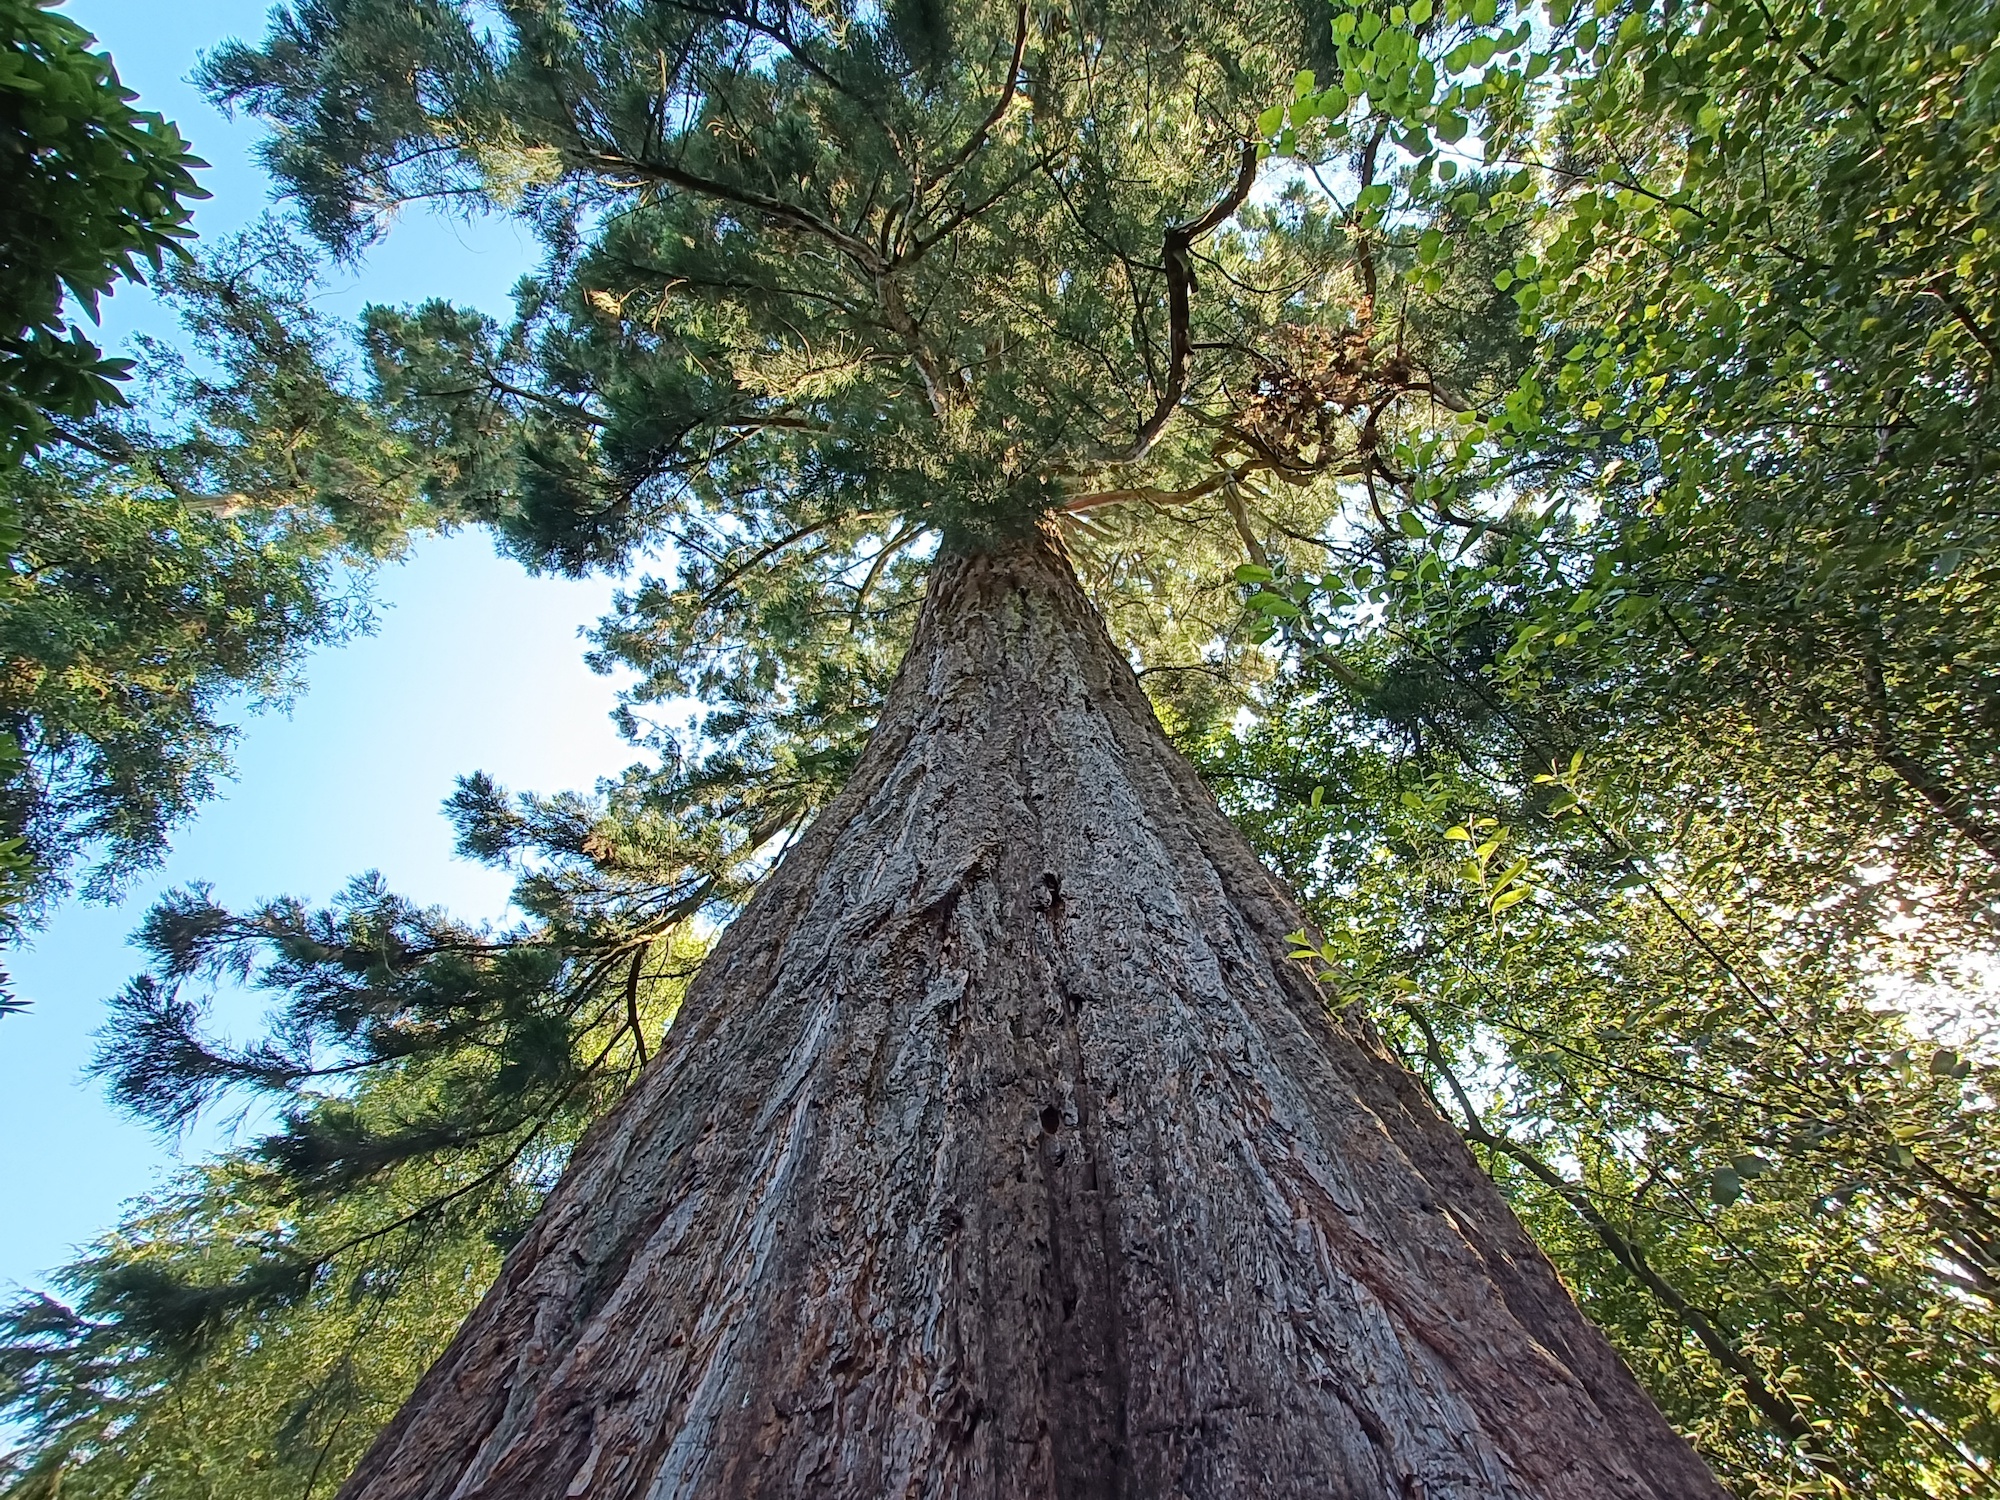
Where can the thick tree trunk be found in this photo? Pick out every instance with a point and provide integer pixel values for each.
(999, 1151)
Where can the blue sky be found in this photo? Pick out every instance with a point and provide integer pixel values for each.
(475, 666)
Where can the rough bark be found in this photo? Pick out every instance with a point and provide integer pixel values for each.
(999, 1151)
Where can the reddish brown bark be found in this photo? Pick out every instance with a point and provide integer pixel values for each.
(999, 1151)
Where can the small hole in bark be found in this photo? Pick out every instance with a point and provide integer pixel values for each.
(1051, 1119)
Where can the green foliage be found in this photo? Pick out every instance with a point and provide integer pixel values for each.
(155, 1375)
(130, 627)
(268, 406)
(1642, 744)
(265, 1315)
(846, 279)
(94, 188)
(1740, 472)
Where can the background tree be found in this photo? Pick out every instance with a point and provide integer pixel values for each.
(93, 187)
(170, 564)
(1667, 671)
(180, 556)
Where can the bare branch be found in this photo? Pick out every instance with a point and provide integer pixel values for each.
(1179, 240)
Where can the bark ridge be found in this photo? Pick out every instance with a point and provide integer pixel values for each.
(1000, 1152)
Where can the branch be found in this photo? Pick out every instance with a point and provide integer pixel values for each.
(890, 548)
(1149, 493)
(1008, 95)
(1964, 318)
(1775, 1406)
(896, 317)
(632, 1001)
(716, 590)
(1179, 240)
(776, 210)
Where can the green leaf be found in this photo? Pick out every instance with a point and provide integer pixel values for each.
(1276, 606)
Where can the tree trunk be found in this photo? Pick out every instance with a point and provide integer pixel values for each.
(999, 1151)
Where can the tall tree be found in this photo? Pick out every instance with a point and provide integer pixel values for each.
(1001, 1148)
(1643, 979)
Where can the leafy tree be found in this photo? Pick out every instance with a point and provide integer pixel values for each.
(426, 1080)
(1666, 673)
(178, 558)
(170, 562)
(94, 188)
(132, 627)
(1744, 455)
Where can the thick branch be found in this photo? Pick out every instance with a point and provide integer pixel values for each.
(1179, 240)
(1150, 493)
(898, 319)
(632, 1001)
